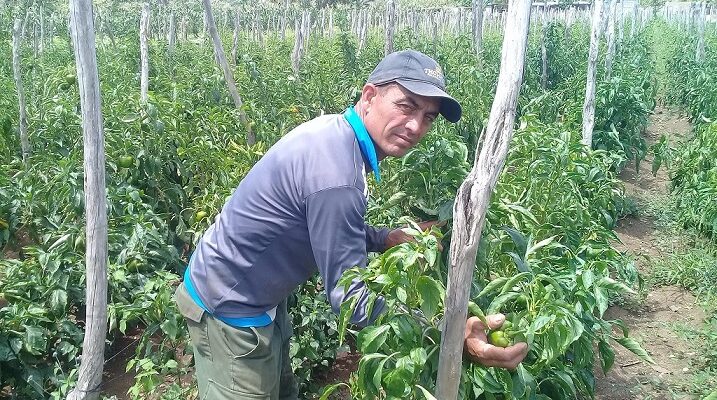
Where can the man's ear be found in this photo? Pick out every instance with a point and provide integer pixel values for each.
(368, 94)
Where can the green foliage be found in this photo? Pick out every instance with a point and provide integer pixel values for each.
(545, 260)
(171, 164)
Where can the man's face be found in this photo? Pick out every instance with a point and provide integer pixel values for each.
(395, 118)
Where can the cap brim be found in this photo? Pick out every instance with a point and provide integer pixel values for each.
(450, 108)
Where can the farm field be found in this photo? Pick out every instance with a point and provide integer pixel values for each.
(603, 256)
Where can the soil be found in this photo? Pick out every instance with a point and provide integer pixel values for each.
(656, 321)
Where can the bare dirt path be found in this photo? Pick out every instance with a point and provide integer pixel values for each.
(654, 321)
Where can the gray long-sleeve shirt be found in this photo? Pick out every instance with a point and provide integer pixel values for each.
(299, 209)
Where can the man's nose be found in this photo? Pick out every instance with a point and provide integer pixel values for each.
(413, 125)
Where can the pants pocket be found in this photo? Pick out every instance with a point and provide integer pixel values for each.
(254, 355)
(216, 391)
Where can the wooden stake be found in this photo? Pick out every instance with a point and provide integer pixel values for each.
(144, 53)
(700, 52)
(610, 39)
(224, 65)
(17, 72)
(589, 104)
(235, 41)
(390, 26)
(473, 197)
(478, 7)
(93, 346)
(543, 47)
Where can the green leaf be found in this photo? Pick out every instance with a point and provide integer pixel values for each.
(430, 254)
(615, 286)
(539, 245)
(397, 382)
(493, 286)
(510, 283)
(419, 356)
(378, 373)
(403, 326)
(632, 345)
(58, 301)
(711, 396)
(401, 294)
(521, 242)
(35, 342)
(566, 382)
(371, 338)
(445, 211)
(431, 295)
(170, 328)
(347, 309)
(328, 390)
(498, 302)
(6, 353)
(426, 393)
(607, 356)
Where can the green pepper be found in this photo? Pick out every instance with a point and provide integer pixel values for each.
(507, 325)
(498, 338)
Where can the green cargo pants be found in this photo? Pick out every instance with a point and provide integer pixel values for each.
(239, 363)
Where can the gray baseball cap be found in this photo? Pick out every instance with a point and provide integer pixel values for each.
(420, 75)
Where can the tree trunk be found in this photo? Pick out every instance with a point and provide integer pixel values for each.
(390, 26)
(473, 197)
(589, 105)
(93, 347)
(543, 48)
(16, 47)
(610, 39)
(477, 26)
(228, 76)
(144, 53)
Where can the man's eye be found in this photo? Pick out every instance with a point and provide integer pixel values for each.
(404, 107)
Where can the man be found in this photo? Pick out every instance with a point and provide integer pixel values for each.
(301, 209)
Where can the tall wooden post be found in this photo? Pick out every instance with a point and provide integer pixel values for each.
(235, 39)
(589, 104)
(700, 51)
(172, 33)
(473, 197)
(612, 15)
(390, 26)
(93, 346)
(477, 26)
(543, 47)
(224, 65)
(144, 53)
(17, 72)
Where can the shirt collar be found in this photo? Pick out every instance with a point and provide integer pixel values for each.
(368, 149)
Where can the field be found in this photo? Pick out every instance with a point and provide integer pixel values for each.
(604, 258)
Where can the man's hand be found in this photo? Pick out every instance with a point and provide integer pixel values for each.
(479, 350)
(398, 236)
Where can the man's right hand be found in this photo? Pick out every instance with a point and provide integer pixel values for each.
(479, 350)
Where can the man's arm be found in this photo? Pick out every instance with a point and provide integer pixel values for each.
(376, 238)
(339, 240)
